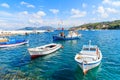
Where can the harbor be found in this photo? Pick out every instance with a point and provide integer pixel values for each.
(59, 40)
(19, 32)
(16, 61)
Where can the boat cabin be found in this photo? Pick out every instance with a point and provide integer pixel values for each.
(89, 48)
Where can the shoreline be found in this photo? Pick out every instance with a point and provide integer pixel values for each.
(20, 32)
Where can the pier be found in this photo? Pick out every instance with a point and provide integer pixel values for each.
(20, 32)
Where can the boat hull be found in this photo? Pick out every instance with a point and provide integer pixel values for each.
(35, 54)
(89, 57)
(64, 38)
(86, 67)
(13, 44)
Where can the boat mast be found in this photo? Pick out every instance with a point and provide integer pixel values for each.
(89, 44)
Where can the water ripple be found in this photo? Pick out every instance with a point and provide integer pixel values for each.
(60, 65)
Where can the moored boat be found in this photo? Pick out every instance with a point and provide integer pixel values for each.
(72, 35)
(89, 57)
(12, 42)
(43, 50)
(3, 39)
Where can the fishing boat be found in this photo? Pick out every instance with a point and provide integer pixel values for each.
(3, 39)
(12, 42)
(72, 35)
(43, 50)
(89, 57)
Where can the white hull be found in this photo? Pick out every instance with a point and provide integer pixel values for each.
(34, 52)
(89, 57)
(12, 45)
(73, 34)
(87, 67)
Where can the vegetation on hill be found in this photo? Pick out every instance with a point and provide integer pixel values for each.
(100, 25)
(38, 28)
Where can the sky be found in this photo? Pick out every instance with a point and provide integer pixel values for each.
(15, 14)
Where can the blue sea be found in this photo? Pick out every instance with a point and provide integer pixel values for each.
(15, 62)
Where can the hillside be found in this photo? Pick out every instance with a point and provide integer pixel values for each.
(38, 28)
(100, 25)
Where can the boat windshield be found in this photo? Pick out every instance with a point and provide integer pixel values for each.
(86, 49)
(92, 49)
(89, 49)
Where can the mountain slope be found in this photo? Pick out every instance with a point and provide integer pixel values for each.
(38, 28)
(100, 25)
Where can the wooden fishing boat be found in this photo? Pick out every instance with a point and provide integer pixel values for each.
(89, 57)
(12, 42)
(43, 50)
(72, 35)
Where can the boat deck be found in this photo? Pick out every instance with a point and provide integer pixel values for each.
(87, 55)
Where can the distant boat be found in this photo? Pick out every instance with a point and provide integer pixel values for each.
(12, 42)
(43, 50)
(71, 36)
(89, 57)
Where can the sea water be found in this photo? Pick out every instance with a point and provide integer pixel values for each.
(15, 62)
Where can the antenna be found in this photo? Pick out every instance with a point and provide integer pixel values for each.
(89, 44)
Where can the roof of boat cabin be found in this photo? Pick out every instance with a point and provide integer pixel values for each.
(89, 46)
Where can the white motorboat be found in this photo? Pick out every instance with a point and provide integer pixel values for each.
(43, 50)
(89, 57)
(72, 35)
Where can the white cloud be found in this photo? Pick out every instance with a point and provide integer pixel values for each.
(39, 14)
(93, 6)
(106, 1)
(3, 13)
(36, 18)
(54, 11)
(23, 3)
(104, 15)
(94, 19)
(21, 19)
(30, 6)
(112, 2)
(64, 23)
(105, 12)
(5, 5)
(77, 13)
(84, 5)
(101, 10)
(111, 10)
(24, 18)
(24, 12)
(27, 4)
